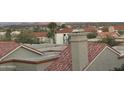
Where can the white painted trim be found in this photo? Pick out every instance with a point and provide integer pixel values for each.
(9, 53)
(28, 48)
(100, 54)
(114, 50)
(32, 49)
(94, 59)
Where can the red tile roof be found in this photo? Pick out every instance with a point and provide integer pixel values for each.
(64, 63)
(6, 47)
(65, 30)
(40, 34)
(120, 27)
(94, 49)
(105, 34)
(90, 29)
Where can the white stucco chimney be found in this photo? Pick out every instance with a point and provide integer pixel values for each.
(79, 50)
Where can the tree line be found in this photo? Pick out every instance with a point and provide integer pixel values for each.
(27, 36)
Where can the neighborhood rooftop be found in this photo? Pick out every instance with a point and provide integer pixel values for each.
(65, 48)
(6, 47)
(60, 61)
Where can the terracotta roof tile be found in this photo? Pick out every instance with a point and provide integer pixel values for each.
(94, 49)
(120, 27)
(90, 29)
(40, 34)
(6, 47)
(64, 63)
(105, 34)
(65, 30)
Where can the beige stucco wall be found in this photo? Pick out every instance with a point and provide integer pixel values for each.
(7, 67)
(43, 39)
(42, 66)
(106, 61)
(18, 66)
(25, 67)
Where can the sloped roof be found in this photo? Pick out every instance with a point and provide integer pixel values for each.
(120, 27)
(65, 30)
(6, 47)
(94, 49)
(90, 29)
(40, 34)
(105, 34)
(64, 63)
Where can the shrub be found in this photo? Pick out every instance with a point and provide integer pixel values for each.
(92, 35)
(121, 32)
(26, 37)
(105, 29)
(120, 68)
(110, 41)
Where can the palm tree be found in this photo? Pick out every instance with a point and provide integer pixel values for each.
(51, 34)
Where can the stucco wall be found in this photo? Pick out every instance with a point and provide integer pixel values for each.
(41, 67)
(43, 39)
(59, 38)
(18, 66)
(106, 61)
(7, 67)
(22, 53)
(25, 67)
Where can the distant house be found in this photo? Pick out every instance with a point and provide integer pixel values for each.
(14, 34)
(106, 34)
(62, 35)
(2, 35)
(111, 29)
(119, 27)
(41, 36)
(90, 29)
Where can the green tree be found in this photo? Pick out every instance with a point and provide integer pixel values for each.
(92, 35)
(110, 41)
(8, 35)
(63, 26)
(37, 28)
(26, 37)
(121, 32)
(51, 34)
(120, 68)
(105, 29)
